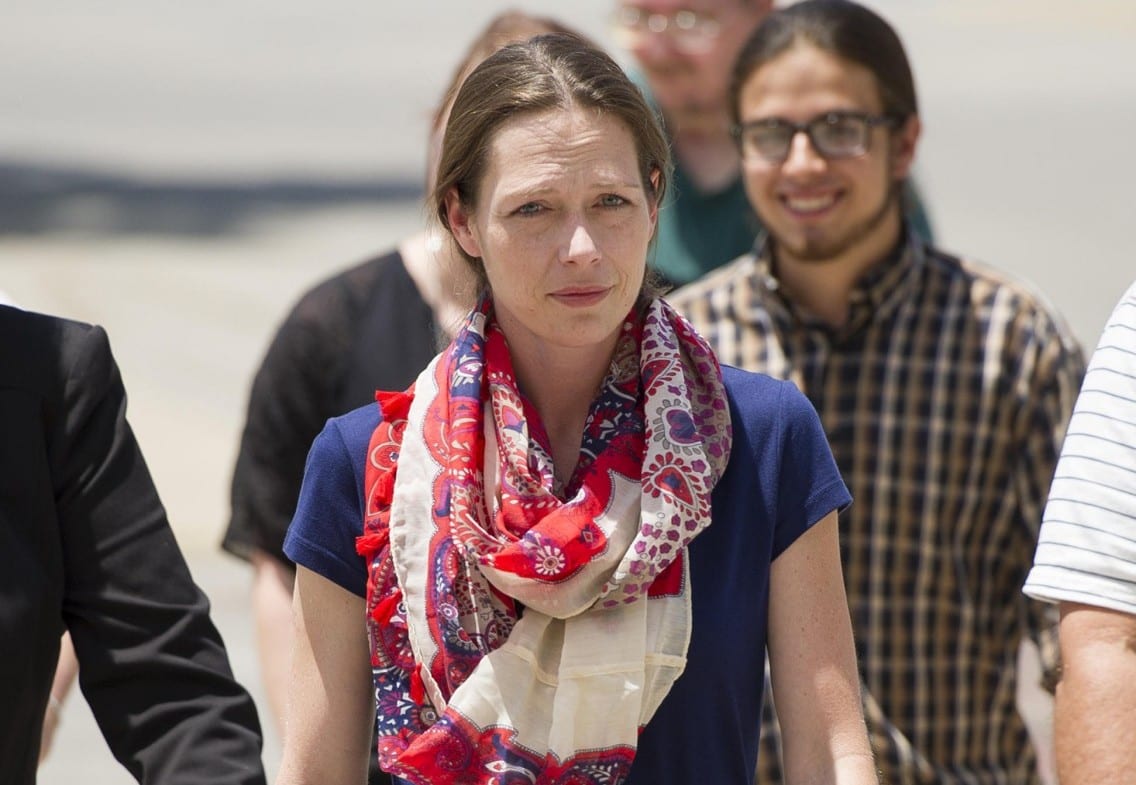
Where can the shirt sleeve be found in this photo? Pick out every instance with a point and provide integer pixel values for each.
(329, 515)
(809, 483)
(152, 665)
(1052, 370)
(1087, 546)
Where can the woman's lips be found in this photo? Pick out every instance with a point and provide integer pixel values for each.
(580, 297)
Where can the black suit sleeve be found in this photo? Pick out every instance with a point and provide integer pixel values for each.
(152, 665)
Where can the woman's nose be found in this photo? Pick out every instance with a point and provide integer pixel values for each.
(580, 247)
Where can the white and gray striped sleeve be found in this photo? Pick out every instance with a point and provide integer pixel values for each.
(1087, 548)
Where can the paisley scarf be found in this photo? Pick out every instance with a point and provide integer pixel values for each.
(517, 633)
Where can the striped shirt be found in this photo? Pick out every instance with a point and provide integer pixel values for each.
(945, 398)
(1087, 551)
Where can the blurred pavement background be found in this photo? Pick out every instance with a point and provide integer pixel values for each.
(179, 173)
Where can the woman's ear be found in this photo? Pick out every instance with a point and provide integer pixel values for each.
(653, 212)
(461, 224)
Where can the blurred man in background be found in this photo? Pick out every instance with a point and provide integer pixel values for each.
(685, 51)
(944, 388)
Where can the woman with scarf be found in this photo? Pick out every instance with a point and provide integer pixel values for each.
(558, 557)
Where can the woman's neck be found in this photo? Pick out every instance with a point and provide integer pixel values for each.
(442, 277)
(561, 386)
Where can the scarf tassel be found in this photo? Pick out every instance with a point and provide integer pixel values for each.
(384, 487)
(417, 688)
(395, 405)
(368, 545)
(384, 609)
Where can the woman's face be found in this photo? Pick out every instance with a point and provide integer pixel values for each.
(561, 223)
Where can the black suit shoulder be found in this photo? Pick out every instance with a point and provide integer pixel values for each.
(65, 366)
(37, 350)
(85, 545)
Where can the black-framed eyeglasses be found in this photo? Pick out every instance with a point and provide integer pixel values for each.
(832, 135)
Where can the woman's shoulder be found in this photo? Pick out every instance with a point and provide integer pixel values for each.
(353, 429)
(340, 448)
(769, 413)
(329, 512)
(751, 383)
(763, 399)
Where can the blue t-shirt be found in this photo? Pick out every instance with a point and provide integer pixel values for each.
(780, 480)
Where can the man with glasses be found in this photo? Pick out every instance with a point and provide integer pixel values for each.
(944, 388)
(685, 50)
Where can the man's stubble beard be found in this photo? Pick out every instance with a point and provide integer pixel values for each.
(824, 249)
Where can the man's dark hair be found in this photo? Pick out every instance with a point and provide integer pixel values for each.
(843, 28)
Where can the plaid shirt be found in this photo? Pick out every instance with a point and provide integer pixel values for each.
(945, 399)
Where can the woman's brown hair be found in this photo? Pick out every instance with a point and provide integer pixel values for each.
(555, 71)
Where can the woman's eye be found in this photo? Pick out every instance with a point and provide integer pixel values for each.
(529, 208)
(612, 200)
